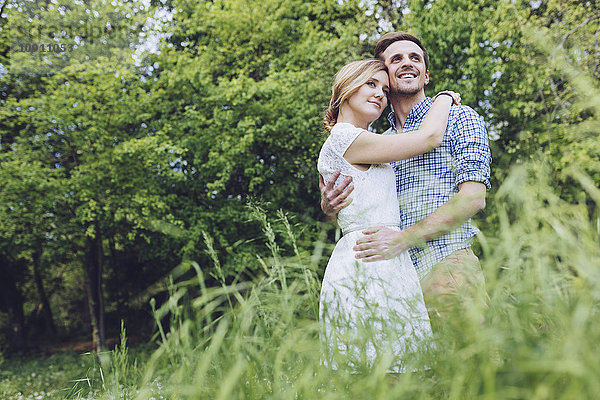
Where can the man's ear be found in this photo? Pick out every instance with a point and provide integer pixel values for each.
(426, 77)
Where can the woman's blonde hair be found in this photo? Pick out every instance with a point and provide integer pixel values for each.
(347, 81)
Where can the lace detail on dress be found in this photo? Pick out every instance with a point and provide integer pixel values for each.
(332, 153)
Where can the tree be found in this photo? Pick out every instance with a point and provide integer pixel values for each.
(28, 190)
(84, 124)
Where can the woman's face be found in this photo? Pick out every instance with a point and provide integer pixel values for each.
(370, 99)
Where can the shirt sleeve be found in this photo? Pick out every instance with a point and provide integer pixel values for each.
(470, 148)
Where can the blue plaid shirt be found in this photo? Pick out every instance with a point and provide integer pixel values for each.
(427, 181)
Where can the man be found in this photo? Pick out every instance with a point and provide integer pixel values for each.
(438, 192)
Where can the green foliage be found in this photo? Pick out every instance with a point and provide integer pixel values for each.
(46, 377)
(70, 375)
(253, 88)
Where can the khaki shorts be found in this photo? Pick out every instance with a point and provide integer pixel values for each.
(454, 285)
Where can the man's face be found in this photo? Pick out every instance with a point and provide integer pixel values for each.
(406, 68)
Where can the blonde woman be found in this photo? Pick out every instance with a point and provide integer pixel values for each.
(371, 311)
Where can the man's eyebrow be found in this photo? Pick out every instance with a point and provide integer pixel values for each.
(412, 53)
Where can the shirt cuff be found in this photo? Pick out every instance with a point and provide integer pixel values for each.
(473, 177)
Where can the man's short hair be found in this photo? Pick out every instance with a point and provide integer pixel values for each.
(386, 40)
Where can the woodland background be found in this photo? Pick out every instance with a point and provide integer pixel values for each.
(171, 132)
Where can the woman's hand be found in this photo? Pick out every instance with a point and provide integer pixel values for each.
(455, 96)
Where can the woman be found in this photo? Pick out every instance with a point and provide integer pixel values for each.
(376, 310)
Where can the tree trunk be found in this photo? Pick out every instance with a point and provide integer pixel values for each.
(50, 328)
(93, 267)
(12, 301)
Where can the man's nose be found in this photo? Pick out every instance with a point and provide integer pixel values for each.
(405, 60)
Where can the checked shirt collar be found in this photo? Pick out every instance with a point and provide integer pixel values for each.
(415, 115)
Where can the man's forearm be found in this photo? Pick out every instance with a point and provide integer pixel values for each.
(468, 201)
(381, 243)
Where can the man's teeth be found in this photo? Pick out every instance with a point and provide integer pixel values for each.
(403, 76)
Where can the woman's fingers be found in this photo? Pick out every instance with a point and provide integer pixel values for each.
(455, 97)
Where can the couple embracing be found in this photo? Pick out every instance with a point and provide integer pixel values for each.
(404, 201)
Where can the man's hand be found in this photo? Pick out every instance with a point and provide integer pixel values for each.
(380, 243)
(333, 199)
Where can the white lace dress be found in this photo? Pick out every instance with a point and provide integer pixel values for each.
(368, 311)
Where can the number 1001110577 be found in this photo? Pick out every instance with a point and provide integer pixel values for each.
(43, 47)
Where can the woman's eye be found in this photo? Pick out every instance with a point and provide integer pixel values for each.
(371, 84)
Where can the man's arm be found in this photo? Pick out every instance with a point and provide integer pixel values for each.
(333, 199)
(383, 243)
(470, 150)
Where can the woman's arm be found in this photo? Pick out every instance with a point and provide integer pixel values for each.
(370, 148)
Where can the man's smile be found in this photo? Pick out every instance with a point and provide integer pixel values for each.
(407, 75)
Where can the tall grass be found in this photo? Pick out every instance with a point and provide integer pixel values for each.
(260, 340)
